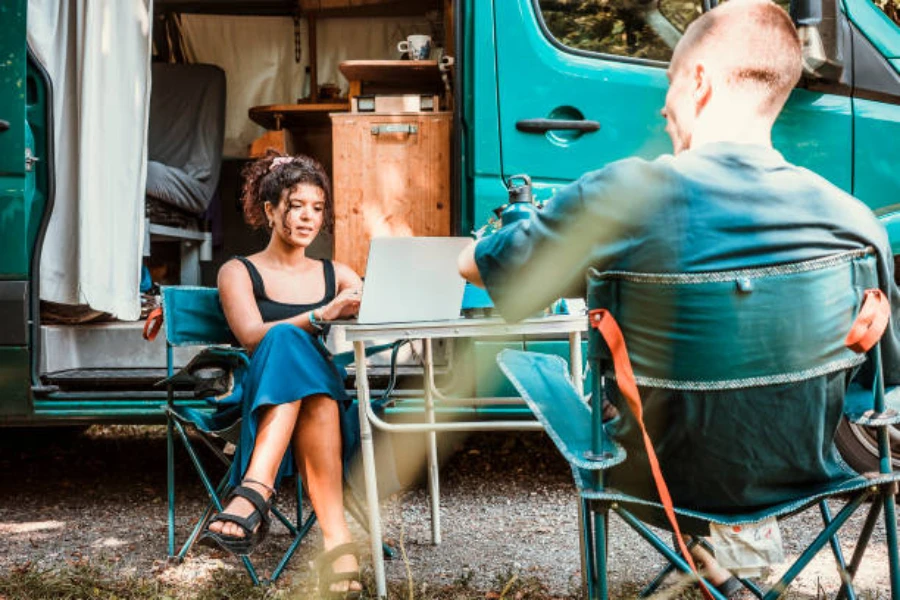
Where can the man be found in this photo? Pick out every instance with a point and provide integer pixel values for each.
(726, 199)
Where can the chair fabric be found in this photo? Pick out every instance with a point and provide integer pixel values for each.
(719, 342)
(193, 317)
(677, 325)
(717, 356)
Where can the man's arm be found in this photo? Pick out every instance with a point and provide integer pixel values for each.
(467, 266)
(592, 222)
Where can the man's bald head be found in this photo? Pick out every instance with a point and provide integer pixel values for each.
(750, 45)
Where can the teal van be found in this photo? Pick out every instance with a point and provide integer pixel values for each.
(551, 88)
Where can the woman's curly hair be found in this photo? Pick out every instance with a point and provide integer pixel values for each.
(265, 180)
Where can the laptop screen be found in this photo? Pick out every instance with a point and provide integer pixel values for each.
(412, 279)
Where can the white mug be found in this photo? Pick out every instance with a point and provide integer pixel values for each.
(418, 46)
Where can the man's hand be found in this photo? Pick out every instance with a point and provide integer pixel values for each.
(467, 267)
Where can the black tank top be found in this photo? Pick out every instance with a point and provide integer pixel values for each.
(270, 310)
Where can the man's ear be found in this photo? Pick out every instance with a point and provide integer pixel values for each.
(702, 85)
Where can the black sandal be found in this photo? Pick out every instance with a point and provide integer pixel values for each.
(328, 576)
(255, 525)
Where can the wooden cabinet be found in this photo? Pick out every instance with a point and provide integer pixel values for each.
(391, 178)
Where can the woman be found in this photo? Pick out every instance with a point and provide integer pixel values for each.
(275, 302)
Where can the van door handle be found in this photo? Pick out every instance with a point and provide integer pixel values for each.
(545, 125)
(4, 125)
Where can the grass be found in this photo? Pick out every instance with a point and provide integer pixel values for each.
(84, 581)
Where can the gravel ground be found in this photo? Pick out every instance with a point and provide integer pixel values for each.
(508, 509)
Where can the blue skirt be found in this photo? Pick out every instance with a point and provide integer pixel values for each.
(288, 365)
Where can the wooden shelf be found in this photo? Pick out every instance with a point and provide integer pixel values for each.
(289, 116)
(416, 74)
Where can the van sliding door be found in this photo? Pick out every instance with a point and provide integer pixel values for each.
(581, 84)
(15, 164)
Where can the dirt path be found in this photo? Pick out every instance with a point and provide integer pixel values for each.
(508, 510)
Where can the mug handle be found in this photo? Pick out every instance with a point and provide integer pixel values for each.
(403, 46)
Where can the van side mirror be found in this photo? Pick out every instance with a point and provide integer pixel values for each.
(820, 40)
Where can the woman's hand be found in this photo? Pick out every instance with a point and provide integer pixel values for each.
(345, 304)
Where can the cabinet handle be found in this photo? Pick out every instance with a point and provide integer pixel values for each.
(395, 128)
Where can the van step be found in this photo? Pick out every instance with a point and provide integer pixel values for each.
(106, 378)
(105, 346)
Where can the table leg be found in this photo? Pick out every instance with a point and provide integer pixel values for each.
(368, 456)
(431, 439)
(575, 360)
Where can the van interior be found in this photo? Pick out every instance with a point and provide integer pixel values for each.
(228, 80)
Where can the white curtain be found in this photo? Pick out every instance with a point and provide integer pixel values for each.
(257, 55)
(97, 53)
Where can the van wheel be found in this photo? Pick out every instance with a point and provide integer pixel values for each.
(858, 446)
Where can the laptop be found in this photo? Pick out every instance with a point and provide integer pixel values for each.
(412, 279)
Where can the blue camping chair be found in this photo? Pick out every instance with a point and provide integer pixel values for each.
(705, 332)
(193, 317)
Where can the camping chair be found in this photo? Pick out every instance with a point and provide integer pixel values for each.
(719, 331)
(193, 317)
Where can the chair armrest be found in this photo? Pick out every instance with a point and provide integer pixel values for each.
(207, 371)
(543, 382)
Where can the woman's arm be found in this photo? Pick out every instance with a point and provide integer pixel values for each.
(241, 312)
(346, 278)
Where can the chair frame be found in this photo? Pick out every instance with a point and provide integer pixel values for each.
(591, 453)
(177, 425)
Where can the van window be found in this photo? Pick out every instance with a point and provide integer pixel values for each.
(632, 28)
(891, 8)
(620, 27)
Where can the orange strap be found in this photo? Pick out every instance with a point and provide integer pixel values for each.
(154, 322)
(605, 323)
(870, 323)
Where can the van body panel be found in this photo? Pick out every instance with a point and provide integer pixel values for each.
(874, 77)
(815, 131)
(481, 160)
(540, 79)
(13, 256)
(489, 193)
(37, 179)
(13, 250)
(14, 308)
(14, 391)
(877, 152)
(17, 185)
(876, 26)
(891, 222)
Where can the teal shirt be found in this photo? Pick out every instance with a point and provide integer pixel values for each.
(722, 206)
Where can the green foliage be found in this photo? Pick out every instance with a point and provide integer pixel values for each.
(618, 27)
(601, 26)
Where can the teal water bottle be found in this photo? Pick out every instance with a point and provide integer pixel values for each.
(521, 201)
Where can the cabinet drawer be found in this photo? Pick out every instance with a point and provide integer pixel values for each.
(391, 178)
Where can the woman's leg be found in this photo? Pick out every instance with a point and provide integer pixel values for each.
(273, 434)
(317, 450)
